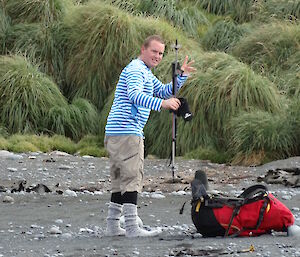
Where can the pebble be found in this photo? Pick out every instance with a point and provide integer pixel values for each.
(157, 195)
(8, 199)
(65, 167)
(66, 235)
(55, 230)
(69, 192)
(87, 157)
(59, 153)
(9, 155)
(286, 197)
(12, 169)
(181, 192)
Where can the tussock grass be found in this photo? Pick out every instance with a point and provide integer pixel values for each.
(39, 44)
(279, 9)
(293, 116)
(223, 35)
(29, 143)
(42, 142)
(257, 134)
(5, 25)
(32, 103)
(93, 151)
(240, 10)
(30, 11)
(90, 140)
(208, 154)
(64, 144)
(89, 145)
(269, 47)
(3, 143)
(273, 50)
(22, 147)
(187, 16)
(75, 120)
(27, 95)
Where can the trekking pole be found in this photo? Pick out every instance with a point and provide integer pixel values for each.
(175, 69)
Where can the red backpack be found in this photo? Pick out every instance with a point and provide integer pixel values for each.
(252, 213)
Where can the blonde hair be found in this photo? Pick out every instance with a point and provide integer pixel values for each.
(149, 39)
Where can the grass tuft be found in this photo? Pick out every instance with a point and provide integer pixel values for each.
(4, 144)
(223, 35)
(64, 144)
(31, 11)
(93, 151)
(256, 133)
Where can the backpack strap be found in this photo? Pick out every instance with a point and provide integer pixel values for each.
(251, 194)
(252, 191)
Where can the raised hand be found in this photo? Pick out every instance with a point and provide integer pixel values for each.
(187, 67)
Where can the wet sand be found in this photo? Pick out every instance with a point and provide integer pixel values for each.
(72, 224)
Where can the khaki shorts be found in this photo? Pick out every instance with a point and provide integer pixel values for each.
(126, 155)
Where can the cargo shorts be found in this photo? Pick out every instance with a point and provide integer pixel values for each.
(126, 156)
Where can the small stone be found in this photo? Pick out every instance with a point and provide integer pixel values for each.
(87, 157)
(12, 169)
(55, 230)
(8, 199)
(69, 192)
(66, 235)
(59, 153)
(65, 167)
(286, 197)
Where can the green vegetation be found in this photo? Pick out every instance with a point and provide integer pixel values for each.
(223, 35)
(60, 61)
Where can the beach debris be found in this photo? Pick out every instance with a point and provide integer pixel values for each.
(8, 199)
(284, 176)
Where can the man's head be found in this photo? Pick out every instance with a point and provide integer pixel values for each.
(152, 51)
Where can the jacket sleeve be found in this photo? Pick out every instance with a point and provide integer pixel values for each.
(164, 91)
(135, 84)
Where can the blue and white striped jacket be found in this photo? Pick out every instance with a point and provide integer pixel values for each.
(138, 92)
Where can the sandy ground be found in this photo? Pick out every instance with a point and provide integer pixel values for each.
(72, 223)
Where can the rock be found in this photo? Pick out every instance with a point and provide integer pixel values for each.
(55, 230)
(69, 192)
(286, 197)
(65, 167)
(157, 195)
(4, 153)
(59, 153)
(87, 157)
(66, 235)
(12, 169)
(8, 199)
(10, 155)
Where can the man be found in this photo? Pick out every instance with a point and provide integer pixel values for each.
(137, 93)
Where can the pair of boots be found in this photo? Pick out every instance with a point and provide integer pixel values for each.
(132, 228)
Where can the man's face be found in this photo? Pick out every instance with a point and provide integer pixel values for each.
(152, 55)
